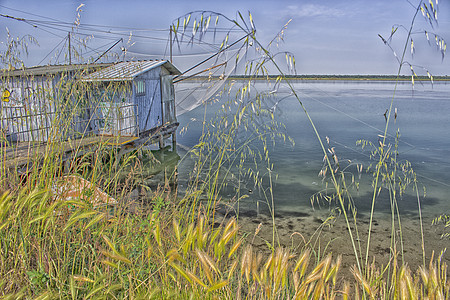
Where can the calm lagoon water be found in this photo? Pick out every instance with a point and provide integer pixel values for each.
(346, 112)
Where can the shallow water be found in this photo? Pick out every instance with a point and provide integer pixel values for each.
(346, 112)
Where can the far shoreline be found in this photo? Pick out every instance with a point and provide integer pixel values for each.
(332, 78)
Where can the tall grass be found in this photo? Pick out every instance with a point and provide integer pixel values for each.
(389, 173)
(174, 246)
(50, 250)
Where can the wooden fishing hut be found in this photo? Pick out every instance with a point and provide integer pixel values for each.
(34, 98)
(143, 86)
(83, 105)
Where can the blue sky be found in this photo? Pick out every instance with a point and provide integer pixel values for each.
(326, 37)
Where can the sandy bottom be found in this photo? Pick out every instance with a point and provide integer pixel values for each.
(296, 230)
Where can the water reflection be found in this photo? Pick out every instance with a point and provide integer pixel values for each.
(346, 112)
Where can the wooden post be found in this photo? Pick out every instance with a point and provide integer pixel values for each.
(174, 141)
(67, 165)
(70, 54)
(161, 142)
(120, 153)
(170, 43)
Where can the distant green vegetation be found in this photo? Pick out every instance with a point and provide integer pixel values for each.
(337, 77)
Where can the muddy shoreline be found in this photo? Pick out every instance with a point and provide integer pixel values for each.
(300, 230)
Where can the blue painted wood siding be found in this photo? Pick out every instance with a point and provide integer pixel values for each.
(30, 114)
(149, 105)
(168, 97)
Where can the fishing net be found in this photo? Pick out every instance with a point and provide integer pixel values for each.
(192, 92)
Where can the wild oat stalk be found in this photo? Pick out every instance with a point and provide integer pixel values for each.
(430, 13)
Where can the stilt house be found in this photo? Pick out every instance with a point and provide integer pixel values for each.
(134, 98)
(135, 91)
(37, 101)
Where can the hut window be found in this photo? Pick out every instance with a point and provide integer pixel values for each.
(140, 88)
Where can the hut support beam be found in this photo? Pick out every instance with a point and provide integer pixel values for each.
(174, 141)
(161, 141)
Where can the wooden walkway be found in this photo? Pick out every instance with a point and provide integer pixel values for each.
(28, 153)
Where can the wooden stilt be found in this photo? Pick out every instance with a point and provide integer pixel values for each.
(67, 165)
(120, 153)
(174, 141)
(161, 142)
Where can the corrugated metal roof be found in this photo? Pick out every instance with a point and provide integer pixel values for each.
(52, 69)
(128, 70)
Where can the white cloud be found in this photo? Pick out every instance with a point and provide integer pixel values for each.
(313, 10)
